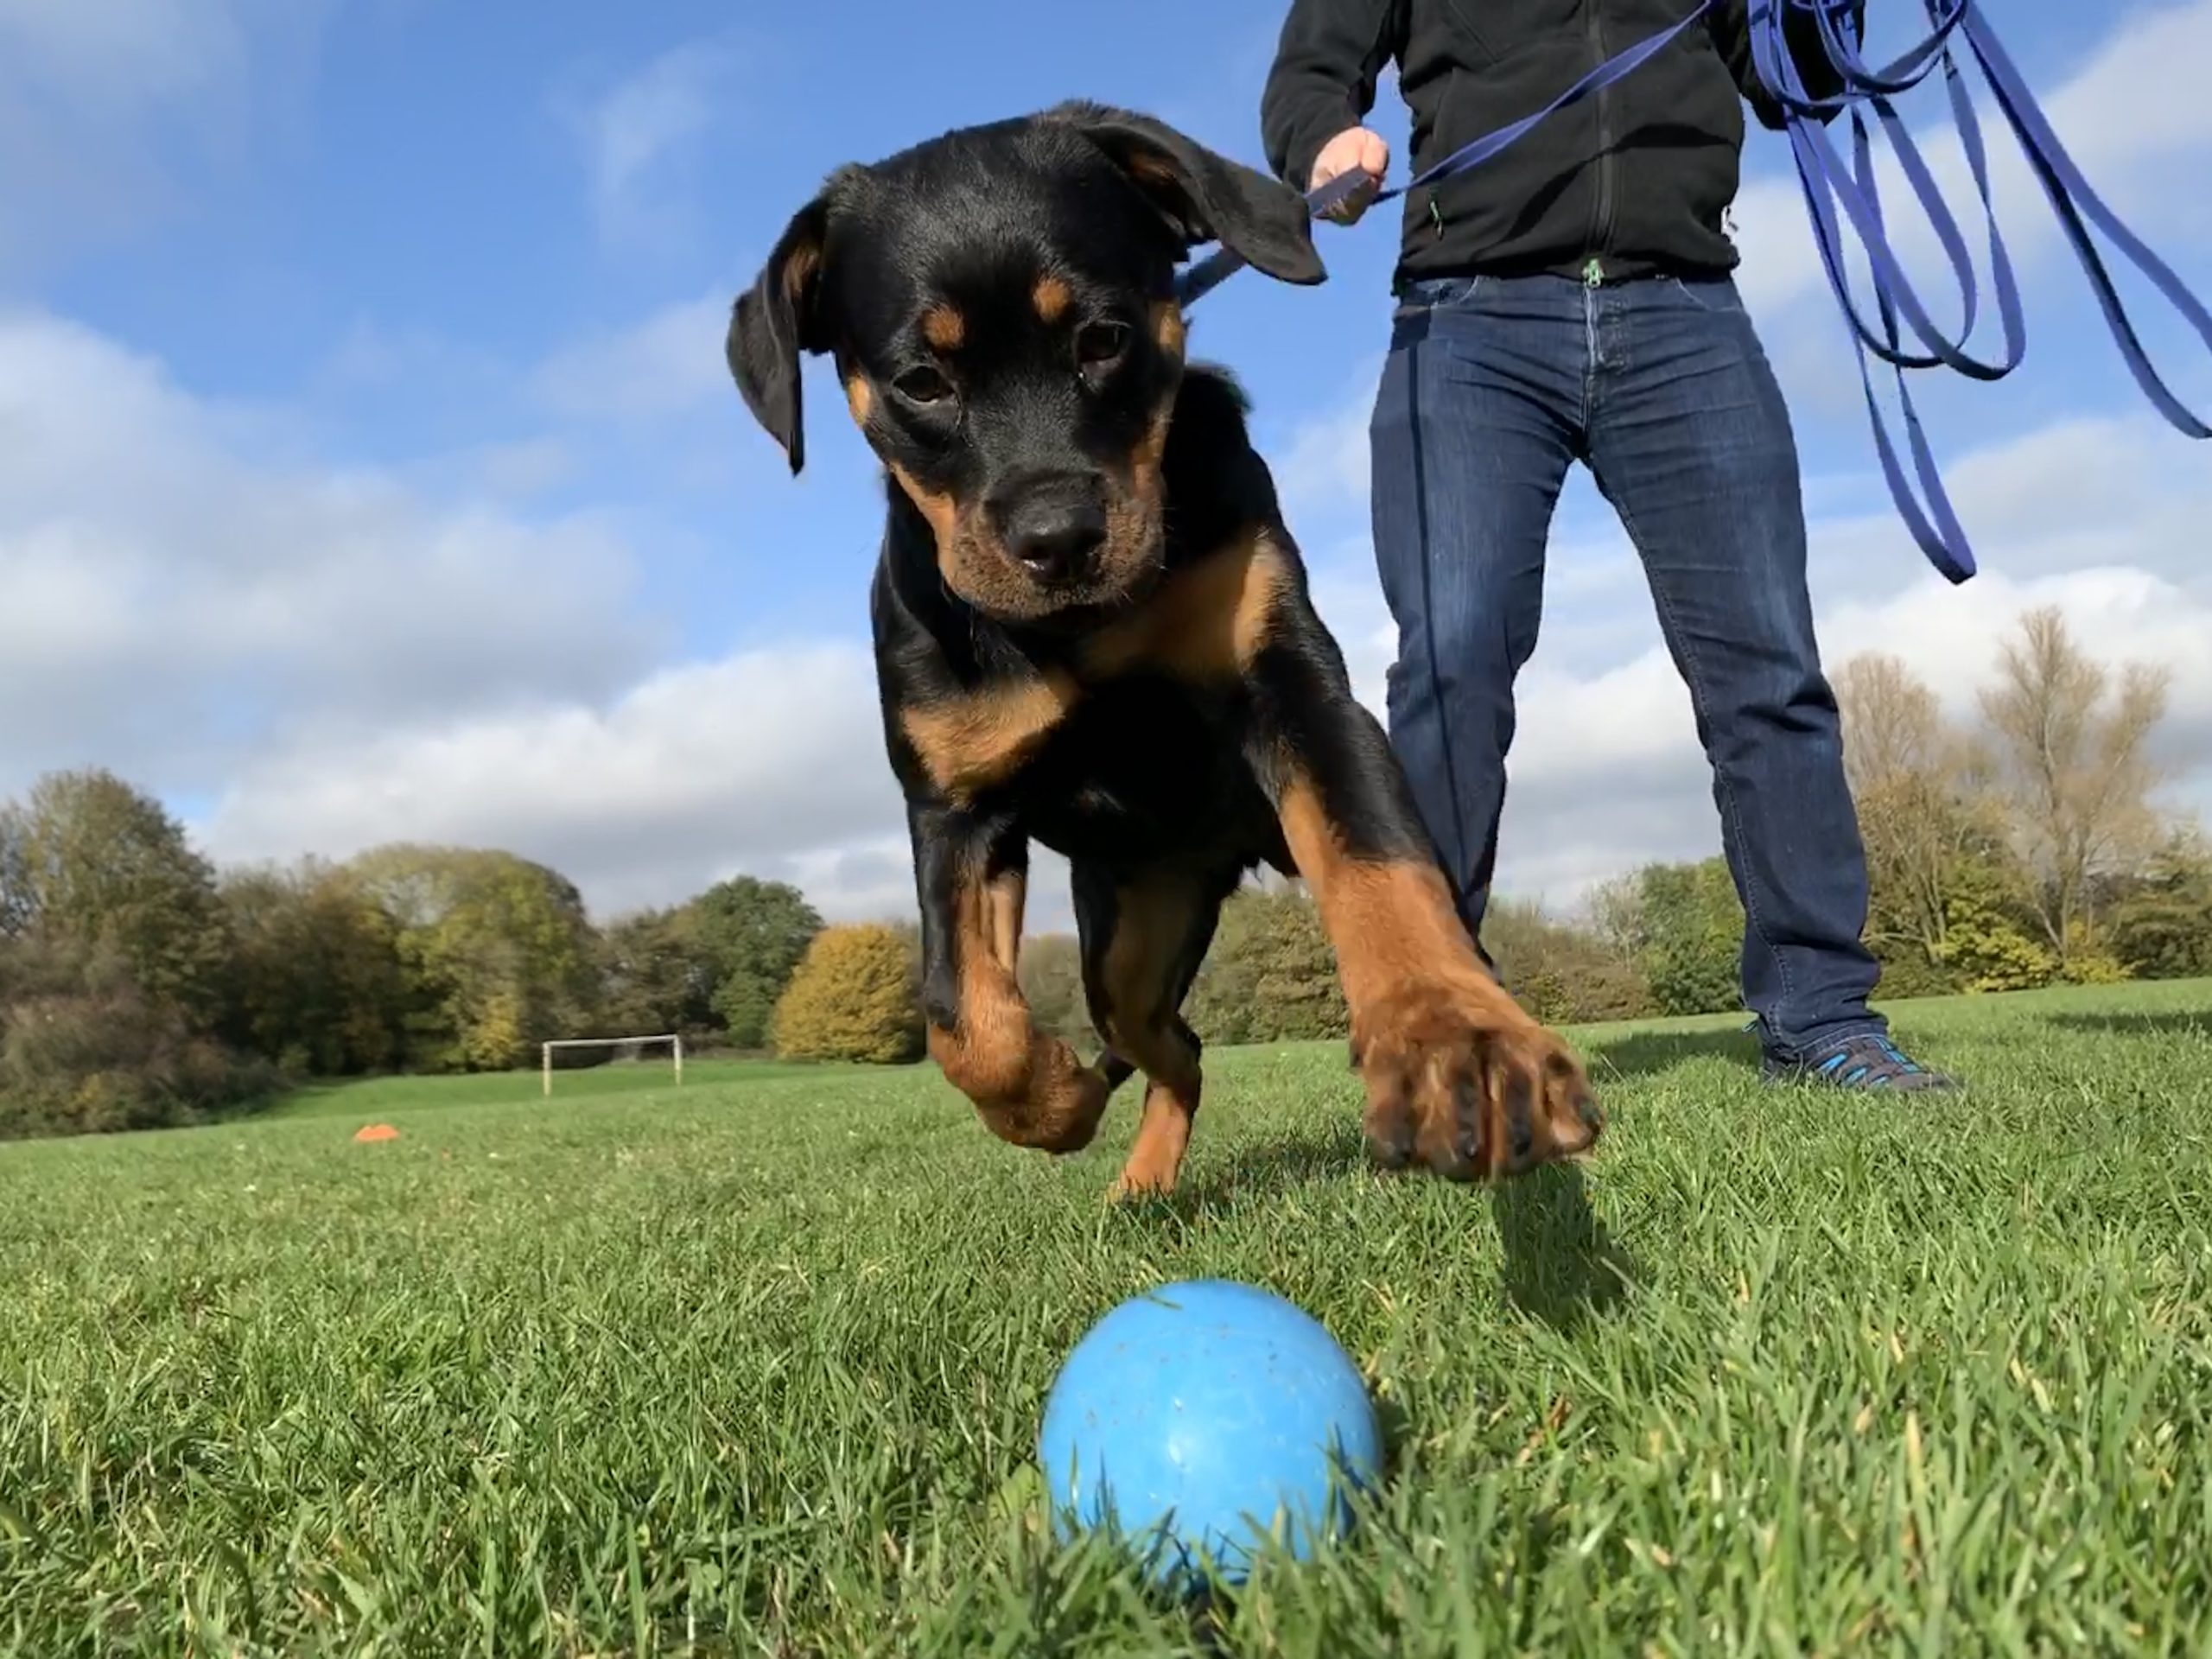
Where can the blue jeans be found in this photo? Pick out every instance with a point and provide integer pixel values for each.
(1493, 387)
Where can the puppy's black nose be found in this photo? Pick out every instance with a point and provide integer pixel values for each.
(1054, 536)
(1054, 540)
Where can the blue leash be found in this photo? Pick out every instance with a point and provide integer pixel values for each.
(1827, 184)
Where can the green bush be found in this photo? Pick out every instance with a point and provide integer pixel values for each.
(1052, 983)
(751, 936)
(1690, 924)
(93, 1062)
(1562, 974)
(2163, 928)
(1270, 975)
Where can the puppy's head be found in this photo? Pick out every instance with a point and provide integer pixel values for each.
(999, 303)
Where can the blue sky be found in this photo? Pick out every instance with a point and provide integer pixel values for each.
(372, 469)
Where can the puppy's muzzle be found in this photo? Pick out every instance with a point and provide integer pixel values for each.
(1053, 527)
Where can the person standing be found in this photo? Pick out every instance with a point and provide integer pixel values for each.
(1570, 299)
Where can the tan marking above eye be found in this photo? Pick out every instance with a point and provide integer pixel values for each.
(1051, 297)
(944, 328)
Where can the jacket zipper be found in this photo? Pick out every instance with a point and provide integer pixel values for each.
(1601, 235)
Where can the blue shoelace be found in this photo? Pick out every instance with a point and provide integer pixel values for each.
(1890, 1064)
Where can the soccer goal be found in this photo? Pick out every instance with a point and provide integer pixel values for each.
(634, 1044)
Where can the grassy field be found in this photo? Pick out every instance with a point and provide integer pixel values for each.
(597, 1084)
(757, 1368)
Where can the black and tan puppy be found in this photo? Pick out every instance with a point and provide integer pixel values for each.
(1093, 630)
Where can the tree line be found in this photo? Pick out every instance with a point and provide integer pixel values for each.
(2020, 848)
(140, 986)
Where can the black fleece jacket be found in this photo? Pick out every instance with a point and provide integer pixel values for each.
(1631, 180)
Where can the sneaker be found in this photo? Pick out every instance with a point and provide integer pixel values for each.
(1865, 1059)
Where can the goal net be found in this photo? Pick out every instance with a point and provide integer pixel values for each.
(631, 1048)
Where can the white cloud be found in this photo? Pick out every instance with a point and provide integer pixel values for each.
(333, 657)
(180, 579)
(670, 363)
(1326, 463)
(117, 53)
(642, 135)
(2102, 517)
(524, 467)
(431, 667)
(769, 762)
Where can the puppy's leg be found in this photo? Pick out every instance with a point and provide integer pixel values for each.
(1456, 1074)
(1028, 1086)
(1143, 936)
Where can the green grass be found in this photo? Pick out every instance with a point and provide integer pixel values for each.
(571, 1087)
(757, 1368)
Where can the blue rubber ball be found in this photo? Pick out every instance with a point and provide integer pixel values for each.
(1200, 1418)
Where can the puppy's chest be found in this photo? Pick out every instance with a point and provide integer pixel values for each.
(1157, 694)
(1137, 745)
(1146, 758)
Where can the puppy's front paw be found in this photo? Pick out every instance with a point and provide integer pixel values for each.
(1066, 1100)
(1468, 1085)
(1030, 1088)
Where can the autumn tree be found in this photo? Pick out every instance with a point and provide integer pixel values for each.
(752, 934)
(1687, 937)
(1677, 930)
(1943, 886)
(316, 982)
(113, 950)
(2161, 927)
(498, 951)
(17, 896)
(655, 974)
(851, 998)
(2074, 771)
(96, 1053)
(89, 863)
(1613, 914)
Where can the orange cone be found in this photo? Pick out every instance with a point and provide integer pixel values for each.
(376, 1132)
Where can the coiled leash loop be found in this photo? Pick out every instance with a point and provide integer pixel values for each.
(1827, 184)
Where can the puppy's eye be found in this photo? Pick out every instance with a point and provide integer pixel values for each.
(923, 385)
(1099, 344)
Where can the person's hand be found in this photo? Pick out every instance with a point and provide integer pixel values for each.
(1354, 149)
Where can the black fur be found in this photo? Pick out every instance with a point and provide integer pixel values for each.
(925, 277)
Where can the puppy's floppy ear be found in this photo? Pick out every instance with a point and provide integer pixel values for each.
(1205, 197)
(773, 321)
